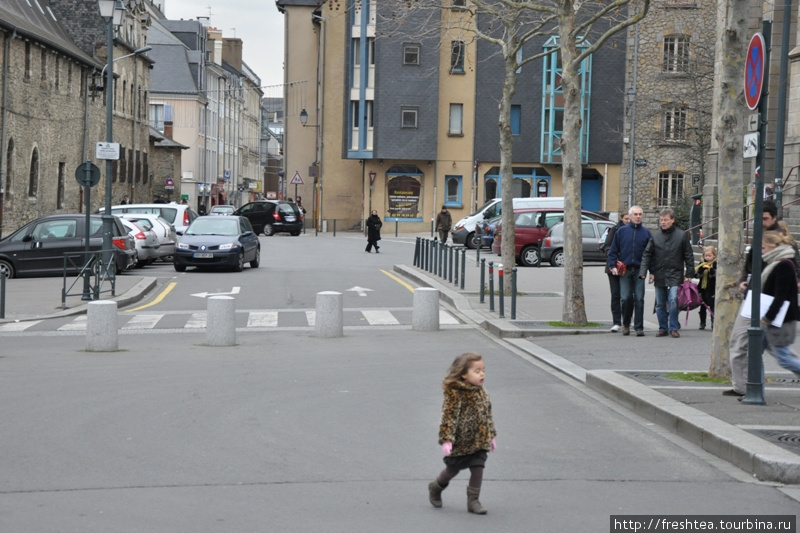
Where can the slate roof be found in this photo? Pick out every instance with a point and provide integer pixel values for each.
(171, 72)
(38, 22)
(162, 141)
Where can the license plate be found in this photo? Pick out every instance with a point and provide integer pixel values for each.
(202, 255)
(290, 219)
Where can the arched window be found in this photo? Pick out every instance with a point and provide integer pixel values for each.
(9, 169)
(33, 180)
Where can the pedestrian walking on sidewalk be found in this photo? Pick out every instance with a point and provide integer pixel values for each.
(466, 429)
(670, 259)
(628, 247)
(613, 280)
(779, 280)
(373, 231)
(707, 274)
(443, 224)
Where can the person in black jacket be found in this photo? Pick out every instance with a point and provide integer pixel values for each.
(779, 280)
(628, 246)
(670, 260)
(613, 281)
(373, 231)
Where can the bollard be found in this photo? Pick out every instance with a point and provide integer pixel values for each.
(425, 316)
(491, 286)
(450, 263)
(514, 293)
(221, 321)
(539, 254)
(101, 327)
(502, 289)
(483, 279)
(334, 228)
(3, 294)
(455, 254)
(463, 267)
(477, 255)
(396, 227)
(416, 253)
(329, 322)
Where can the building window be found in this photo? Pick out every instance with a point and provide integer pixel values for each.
(459, 3)
(409, 117)
(674, 124)
(456, 119)
(519, 60)
(44, 64)
(9, 169)
(516, 119)
(33, 178)
(61, 180)
(452, 191)
(123, 166)
(676, 54)
(58, 73)
(670, 188)
(411, 54)
(457, 49)
(159, 113)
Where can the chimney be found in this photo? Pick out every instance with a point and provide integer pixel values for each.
(168, 128)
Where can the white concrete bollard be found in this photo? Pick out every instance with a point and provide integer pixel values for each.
(329, 322)
(425, 316)
(221, 321)
(101, 326)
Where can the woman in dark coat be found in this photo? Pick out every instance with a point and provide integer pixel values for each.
(373, 231)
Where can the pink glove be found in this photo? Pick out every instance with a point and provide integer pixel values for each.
(494, 445)
(447, 447)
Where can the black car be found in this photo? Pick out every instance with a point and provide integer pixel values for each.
(38, 248)
(218, 242)
(272, 216)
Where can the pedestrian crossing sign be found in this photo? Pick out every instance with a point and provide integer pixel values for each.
(297, 179)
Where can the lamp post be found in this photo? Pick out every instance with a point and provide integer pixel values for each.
(631, 144)
(112, 11)
(318, 163)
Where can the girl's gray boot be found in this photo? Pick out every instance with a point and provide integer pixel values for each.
(435, 493)
(473, 505)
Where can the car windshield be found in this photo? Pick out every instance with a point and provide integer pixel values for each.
(213, 226)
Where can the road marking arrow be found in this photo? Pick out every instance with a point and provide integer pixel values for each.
(235, 290)
(362, 291)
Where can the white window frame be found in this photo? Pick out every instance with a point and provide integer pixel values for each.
(411, 50)
(676, 54)
(458, 50)
(407, 116)
(456, 119)
(674, 122)
(671, 188)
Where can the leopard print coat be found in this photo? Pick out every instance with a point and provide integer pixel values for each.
(466, 419)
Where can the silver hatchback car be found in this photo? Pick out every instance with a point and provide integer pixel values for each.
(553, 244)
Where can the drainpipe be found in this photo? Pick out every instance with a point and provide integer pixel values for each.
(781, 127)
(3, 132)
(632, 145)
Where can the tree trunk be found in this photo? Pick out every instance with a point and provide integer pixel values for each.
(732, 41)
(574, 309)
(507, 243)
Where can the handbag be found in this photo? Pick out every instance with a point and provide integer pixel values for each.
(621, 268)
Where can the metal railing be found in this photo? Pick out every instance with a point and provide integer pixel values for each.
(92, 273)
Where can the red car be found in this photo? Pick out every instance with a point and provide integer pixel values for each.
(531, 227)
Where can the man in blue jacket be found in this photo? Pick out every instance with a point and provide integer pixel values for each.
(628, 246)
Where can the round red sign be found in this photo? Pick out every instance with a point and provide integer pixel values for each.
(754, 71)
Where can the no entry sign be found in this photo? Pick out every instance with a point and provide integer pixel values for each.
(754, 71)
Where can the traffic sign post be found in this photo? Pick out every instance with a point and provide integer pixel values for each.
(754, 71)
(87, 175)
(297, 179)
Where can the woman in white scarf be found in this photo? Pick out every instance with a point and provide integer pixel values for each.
(779, 280)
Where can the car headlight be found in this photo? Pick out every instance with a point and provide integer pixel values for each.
(183, 246)
(229, 246)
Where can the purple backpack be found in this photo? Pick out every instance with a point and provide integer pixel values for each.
(689, 298)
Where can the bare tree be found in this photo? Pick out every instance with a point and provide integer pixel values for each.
(582, 27)
(728, 130)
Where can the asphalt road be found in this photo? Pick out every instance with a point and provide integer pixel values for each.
(287, 432)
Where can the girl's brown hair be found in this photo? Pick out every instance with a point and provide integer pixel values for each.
(459, 367)
(710, 249)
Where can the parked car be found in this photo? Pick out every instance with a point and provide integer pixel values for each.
(39, 247)
(271, 216)
(165, 232)
(145, 240)
(222, 210)
(487, 227)
(531, 226)
(221, 241)
(592, 230)
(464, 230)
(179, 215)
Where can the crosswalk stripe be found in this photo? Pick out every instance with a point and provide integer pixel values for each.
(311, 317)
(143, 322)
(197, 320)
(447, 318)
(262, 319)
(18, 326)
(79, 324)
(379, 317)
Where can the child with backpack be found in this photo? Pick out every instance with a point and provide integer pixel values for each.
(707, 274)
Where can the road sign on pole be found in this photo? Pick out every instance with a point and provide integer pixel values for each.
(754, 71)
(297, 179)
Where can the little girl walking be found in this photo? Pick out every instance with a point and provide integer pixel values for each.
(707, 273)
(466, 430)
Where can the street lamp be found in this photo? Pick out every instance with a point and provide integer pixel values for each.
(112, 11)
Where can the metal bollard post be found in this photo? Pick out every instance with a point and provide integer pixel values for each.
(463, 267)
(483, 278)
(416, 252)
(334, 228)
(396, 227)
(539, 254)
(450, 252)
(442, 259)
(491, 286)
(434, 264)
(514, 293)
(502, 291)
(3, 294)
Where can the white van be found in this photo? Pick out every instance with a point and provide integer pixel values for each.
(464, 230)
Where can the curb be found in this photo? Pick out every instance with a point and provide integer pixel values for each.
(752, 454)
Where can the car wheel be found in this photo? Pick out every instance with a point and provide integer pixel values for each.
(255, 262)
(239, 263)
(470, 242)
(7, 269)
(528, 256)
(295, 233)
(167, 259)
(179, 267)
(557, 259)
(268, 230)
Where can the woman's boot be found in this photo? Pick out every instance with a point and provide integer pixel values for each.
(473, 505)
(435, 493)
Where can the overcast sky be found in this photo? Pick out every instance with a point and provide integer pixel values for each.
(258, 24)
